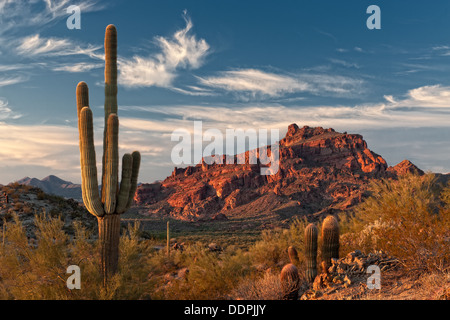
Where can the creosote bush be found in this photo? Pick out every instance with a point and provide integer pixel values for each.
(409, 218)
(36, 268)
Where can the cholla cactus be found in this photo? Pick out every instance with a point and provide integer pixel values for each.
(330, 240)
(311, 234)
(113, 199)
(290, 282)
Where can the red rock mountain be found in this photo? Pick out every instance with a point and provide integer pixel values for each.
(321, 171)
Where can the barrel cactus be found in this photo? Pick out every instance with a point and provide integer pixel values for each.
(330, 241)
(293, 256)
(311, 234)
(290, 282)
(113, 199)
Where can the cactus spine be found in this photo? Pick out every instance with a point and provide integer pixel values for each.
(113, 200)
(330, 241)
(311, 234)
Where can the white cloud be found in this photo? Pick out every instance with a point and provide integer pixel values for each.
(10, 80)
(55, 148)
(16, 14)
(48, 146)
(345, 63)
(256, 82)
(16, 66)
(6, 112)
(427, 106)
(181, 51)
(35, 45)
(194, 91)
(435, 96)
(78, 67)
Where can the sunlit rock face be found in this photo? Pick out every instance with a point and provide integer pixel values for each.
(321, 171)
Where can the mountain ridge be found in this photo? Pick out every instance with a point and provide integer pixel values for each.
(321, 171)
(54, 185)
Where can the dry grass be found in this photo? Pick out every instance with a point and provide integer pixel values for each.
(267, 287)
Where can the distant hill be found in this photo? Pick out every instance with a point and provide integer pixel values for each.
(54, 185)
(27, 201)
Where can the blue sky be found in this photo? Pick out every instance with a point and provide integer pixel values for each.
(232, 64)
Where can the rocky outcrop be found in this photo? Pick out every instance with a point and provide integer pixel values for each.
(405, 167)
(321, 171)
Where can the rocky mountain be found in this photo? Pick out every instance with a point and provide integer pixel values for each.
(321, 171)
(54, 185)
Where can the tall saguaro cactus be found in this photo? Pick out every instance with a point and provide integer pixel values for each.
(113, 199)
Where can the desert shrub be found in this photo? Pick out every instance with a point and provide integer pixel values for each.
(27, 209)
(41, 195)
(265, 287)
(211, 275)
(409, 218)
(30, 272)
(18, 206)
(271, 250)
(36, 268)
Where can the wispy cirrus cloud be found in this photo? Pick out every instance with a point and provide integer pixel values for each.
(6, 112)
(35, 45)
(429, 97)
(55, 148)
(423, 106)
(12, 79)
(19, 14)
(181, 51)
(78, 67)
(344, 63)
(254, 82)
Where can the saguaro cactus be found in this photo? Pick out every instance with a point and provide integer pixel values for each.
(311, 234)
(113, 199)
(330, 240)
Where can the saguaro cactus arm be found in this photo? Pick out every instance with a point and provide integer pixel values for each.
(89, 180)
(82, 94)
(134, 176)
(125, 184)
